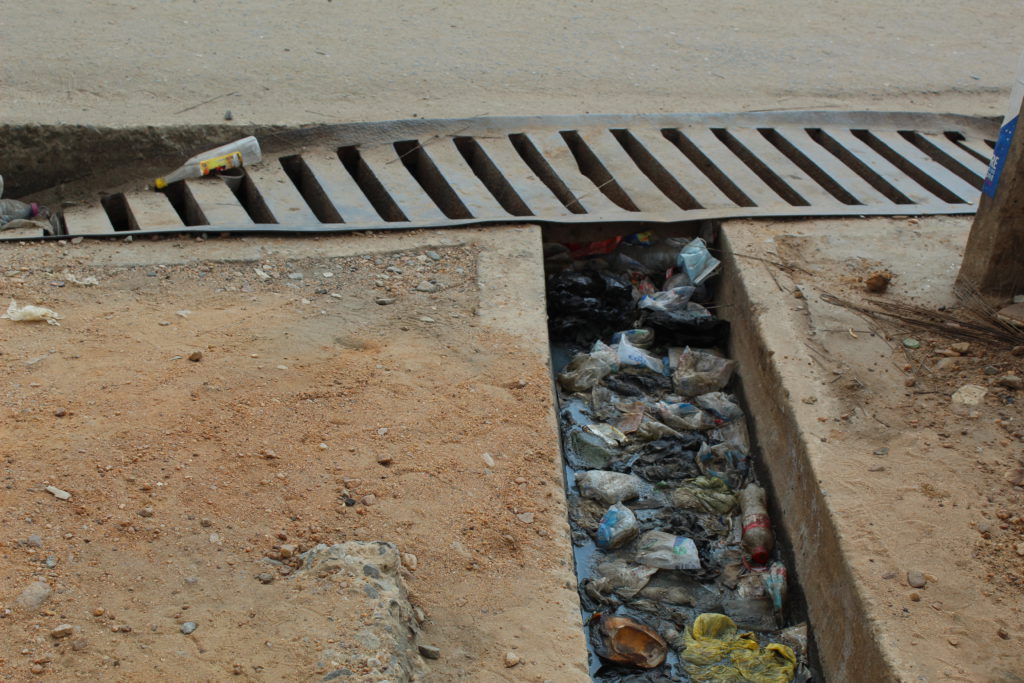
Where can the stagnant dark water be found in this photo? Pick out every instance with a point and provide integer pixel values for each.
(613, 408)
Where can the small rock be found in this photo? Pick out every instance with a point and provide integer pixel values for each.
(984, 528)
(287, 550)
(488, 460)
(34, 595)
(877, 468)
(990, 370)
(1020, 549)
(963, 348)
(189, 627)
(265, 577)
(878, 281)
(60, 412)
(195, 356)
(349, 502)
(51, 562)
(426, 319)
(34, 541)
(146, 512)
(295, 276)
(915, 579)
(915, 597)
(184, 313)
(37, 669)
(228, 116)
(433, 256)
(1017, 350)
(385, 300)
(525, 517)
(384, 459)
(1015, 476)
(79, 644)
(1003, 633)
(511, 659)
(911, 343)
(969, 395)
(58, 493)
(1011, 381)
(206, 522)
(953, 641)
(369, 499)
(429, 651)
(427, 286)
(99, 612)
(164, 323)
(947, 364)
(62, 631)
(882, 451)
(409, 561)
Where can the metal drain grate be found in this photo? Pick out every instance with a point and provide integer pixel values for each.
(603, 169)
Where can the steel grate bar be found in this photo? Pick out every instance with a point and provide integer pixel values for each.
(152, 210)
(400, 185)
(788, 171)
(343, 192)
(839, 172)
(527, 185)
(929, 166)
(621, 167)
(560, 157)
(880, 165)
(692, 179)
(978, 147)
(217, 202)
(473, 194)
(281, 196)
(971, 163)
(733, 167)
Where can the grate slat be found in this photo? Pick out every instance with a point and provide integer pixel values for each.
(343, 192)
(690, 177)
(473, 194)
(281, 196)
(954, 183)
(587, 195)
(879, 165)
(782, 166)
(978, 147)
(527, 185)
(971, 163)
(400, 185)
(217, 203)
(90, 221)
(733, 167)
(625, 171)
(152, 210)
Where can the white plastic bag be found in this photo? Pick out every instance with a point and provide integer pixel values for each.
(608, 487)
(667, 551)
(30, 313)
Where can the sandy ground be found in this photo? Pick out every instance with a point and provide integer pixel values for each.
(314, 415)
(115, 62)
(915, 481)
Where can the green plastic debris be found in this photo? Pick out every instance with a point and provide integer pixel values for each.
(911, 343)
(714, 651)
(707, 494)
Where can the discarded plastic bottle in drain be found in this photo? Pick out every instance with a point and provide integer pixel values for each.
(232, 155)
(758, 538)
(12, 210)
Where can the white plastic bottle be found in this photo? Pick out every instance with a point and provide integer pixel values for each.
(232, 155)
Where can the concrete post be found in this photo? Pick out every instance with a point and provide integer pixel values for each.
(994, 257)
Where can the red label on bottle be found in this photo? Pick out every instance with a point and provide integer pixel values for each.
(757, 521)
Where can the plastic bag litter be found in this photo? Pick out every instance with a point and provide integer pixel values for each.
(667, 551)
(30, 313)
(734, 434)
(721, 405)
(623, 578)
(640, 337)
(651, 430)
(697, 262)
(607, 433)
(608, 487)
(714, 650)
(629, 642)
(724, 462)
(585, 370)
(590, 450)
(666, 302)
(684, 416)
(634, 356)
(701, 372)
(87, 281)
(707, 494)
(617, 527)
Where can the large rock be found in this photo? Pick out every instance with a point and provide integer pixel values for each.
(387, 645)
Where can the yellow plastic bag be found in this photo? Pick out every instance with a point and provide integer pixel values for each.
(715, 651)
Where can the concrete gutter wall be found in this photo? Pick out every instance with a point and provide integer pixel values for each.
(847, 644)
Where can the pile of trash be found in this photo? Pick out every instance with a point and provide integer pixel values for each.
(680, 578)
(18, 215)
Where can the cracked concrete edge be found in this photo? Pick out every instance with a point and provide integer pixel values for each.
(764, 329)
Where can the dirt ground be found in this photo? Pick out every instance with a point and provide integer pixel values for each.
(125, 62)
(915, 481)
(314, 415)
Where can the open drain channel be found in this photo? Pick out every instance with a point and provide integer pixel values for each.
(572, 170)
(672, 541)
